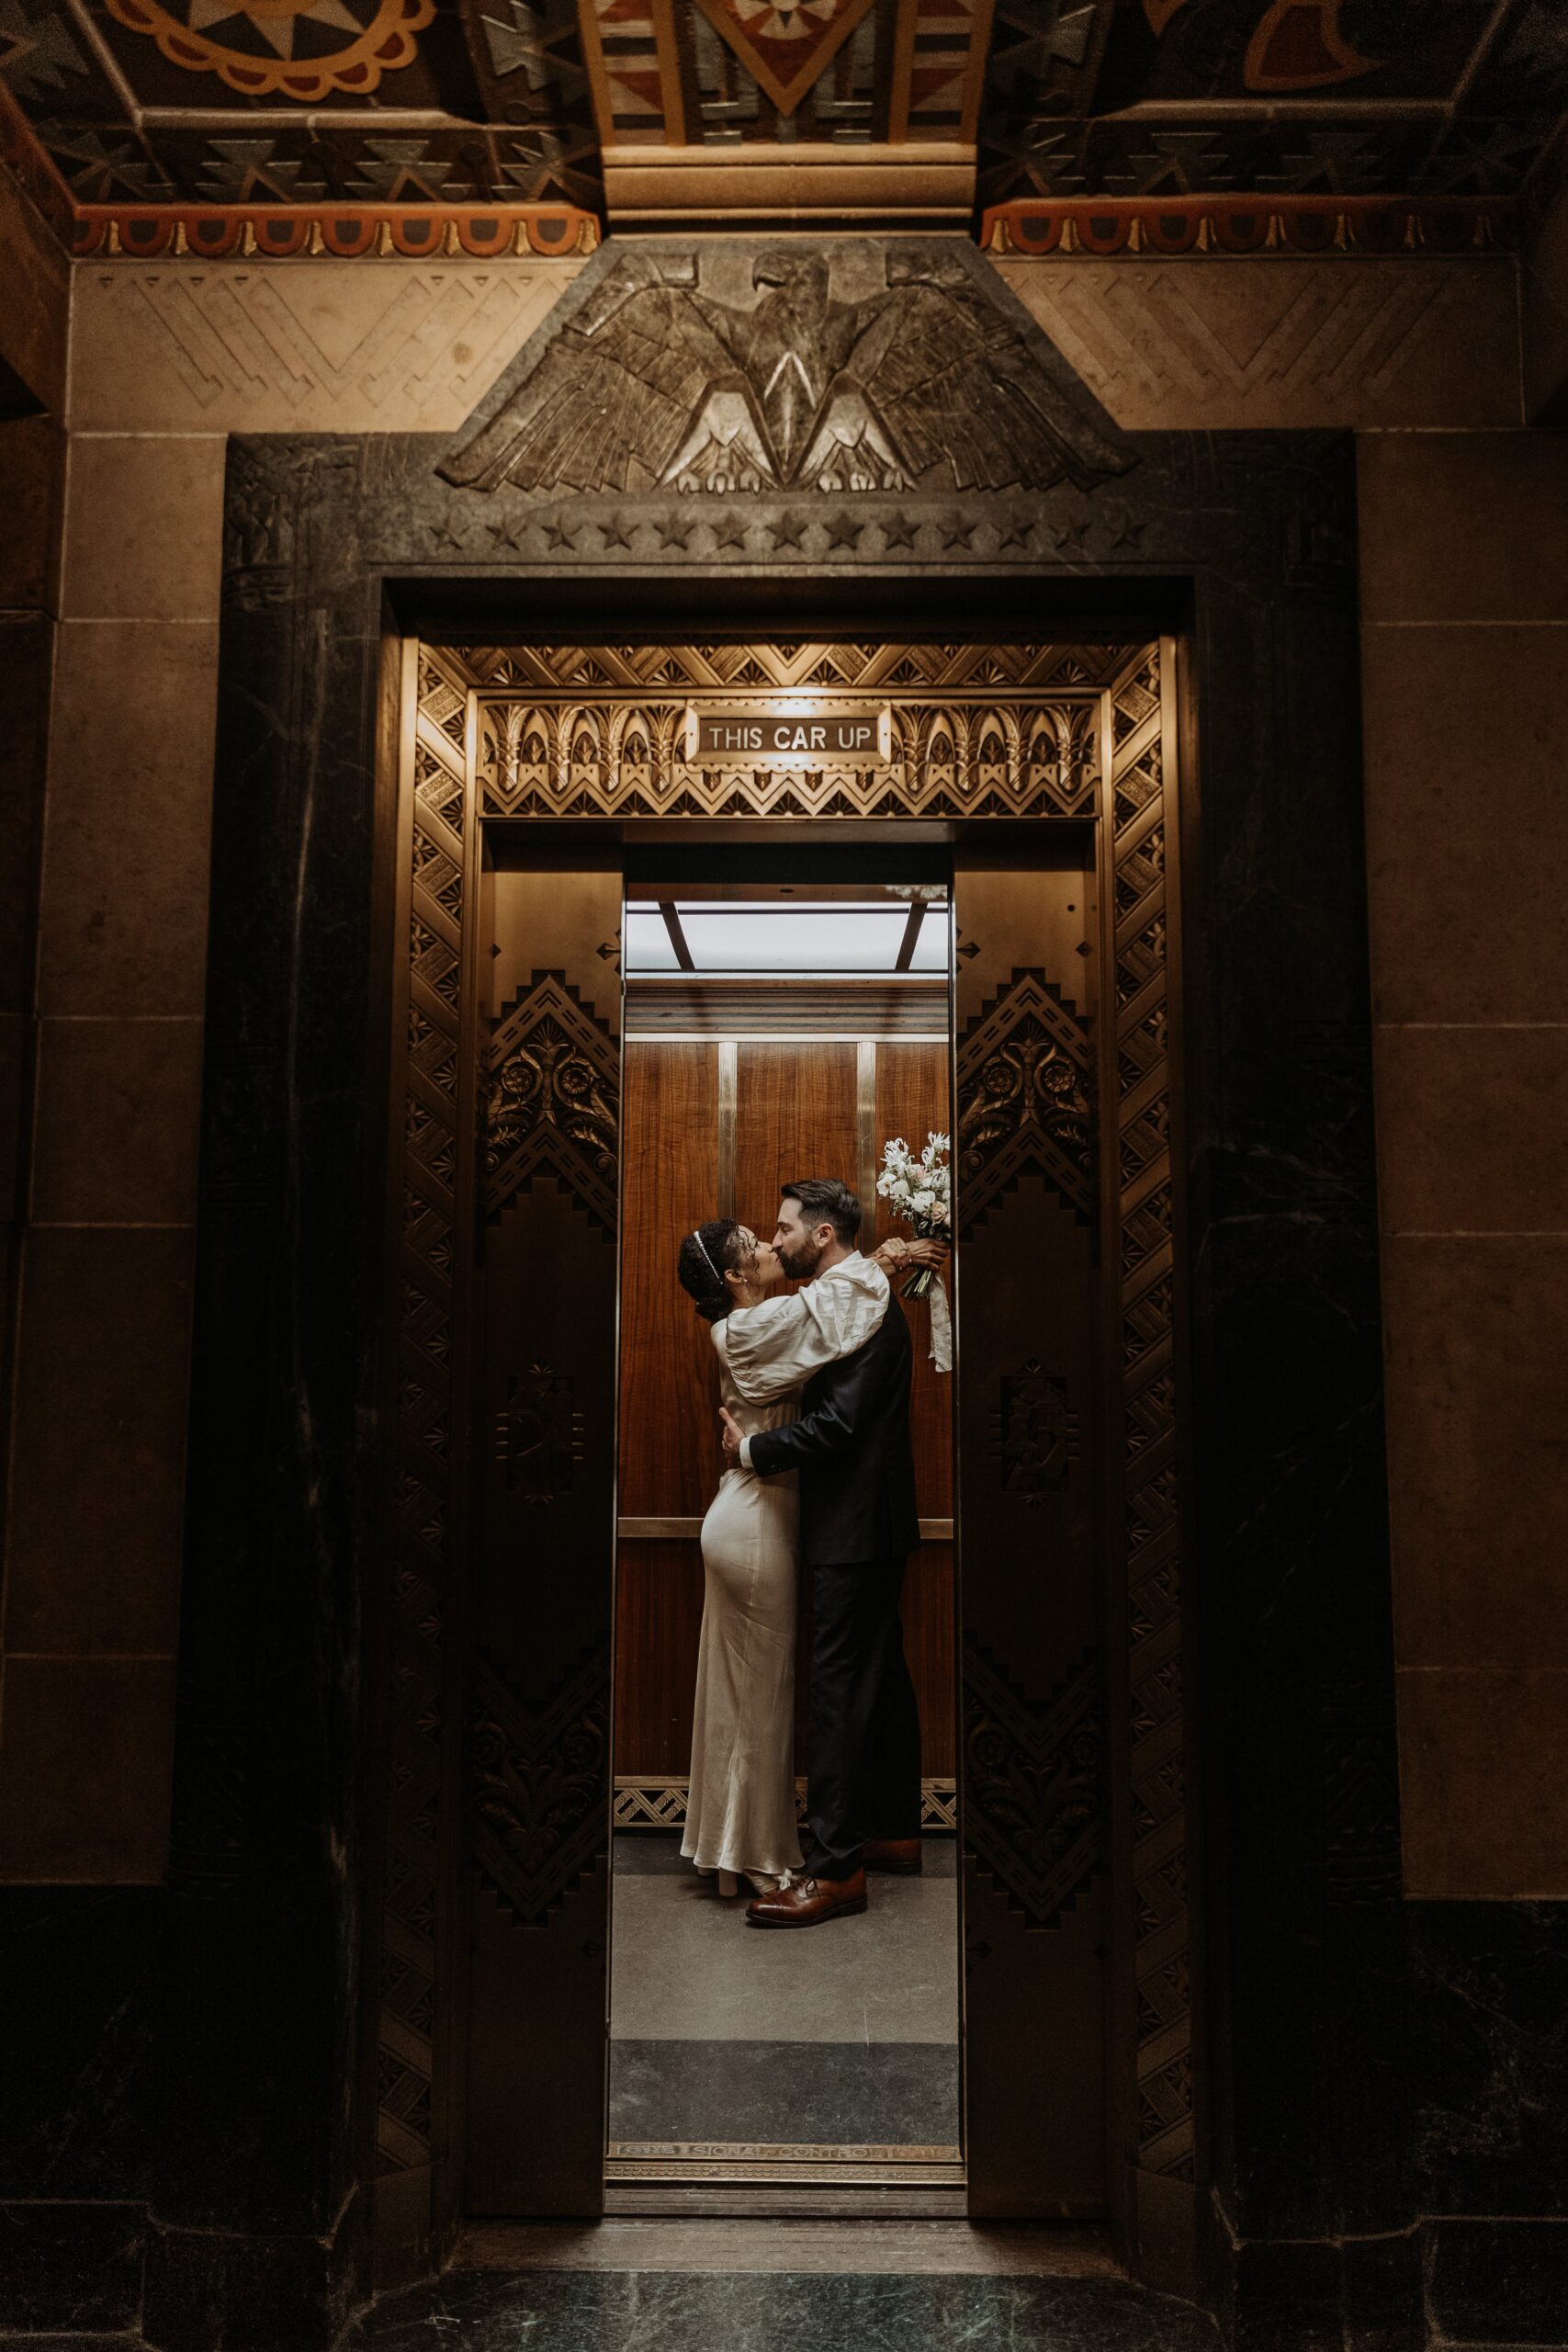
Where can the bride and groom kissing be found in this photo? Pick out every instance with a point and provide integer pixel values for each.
(819, 1476)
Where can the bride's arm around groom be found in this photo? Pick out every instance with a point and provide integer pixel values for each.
(778, 1344)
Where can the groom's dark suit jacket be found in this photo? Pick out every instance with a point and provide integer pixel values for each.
(852, 1448)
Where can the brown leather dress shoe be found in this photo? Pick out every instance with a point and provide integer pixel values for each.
(807, 1903)
(900, 1855)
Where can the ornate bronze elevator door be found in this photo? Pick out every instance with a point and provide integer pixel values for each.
(1034, 1775)
(539, 1716)
(1054, 766)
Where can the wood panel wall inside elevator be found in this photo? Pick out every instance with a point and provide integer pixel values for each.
(797, 1112)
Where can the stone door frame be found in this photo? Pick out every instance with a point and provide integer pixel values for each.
(1242, 547)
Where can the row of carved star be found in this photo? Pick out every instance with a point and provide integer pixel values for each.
(645, 538)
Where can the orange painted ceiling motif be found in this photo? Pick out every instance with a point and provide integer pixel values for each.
(292, 49)
(348, 106)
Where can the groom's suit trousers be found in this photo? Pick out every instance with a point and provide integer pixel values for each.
(863, 1742)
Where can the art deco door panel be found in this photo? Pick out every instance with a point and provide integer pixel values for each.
(1035, 1775)
(538, 1715)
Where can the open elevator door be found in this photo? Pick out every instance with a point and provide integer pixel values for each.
(547, 1060)
(1033, 1782)
(1032, 1774)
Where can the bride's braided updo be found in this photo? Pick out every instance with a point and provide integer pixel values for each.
(705, 1256)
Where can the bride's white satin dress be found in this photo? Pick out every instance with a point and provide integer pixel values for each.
(740, 1808)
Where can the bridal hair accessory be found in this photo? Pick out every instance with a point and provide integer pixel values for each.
(920, 1189)
(713, 1270)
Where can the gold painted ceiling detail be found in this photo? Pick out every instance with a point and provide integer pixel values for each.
(288, 49)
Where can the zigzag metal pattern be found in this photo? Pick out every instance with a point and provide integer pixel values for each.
(1139, 817)
(411, 1874)
(784, 665)
(661, 1805)
(599, 754)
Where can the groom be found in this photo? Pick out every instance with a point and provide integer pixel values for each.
(858, 1520)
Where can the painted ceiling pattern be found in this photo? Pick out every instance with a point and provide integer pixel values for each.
(227, 103)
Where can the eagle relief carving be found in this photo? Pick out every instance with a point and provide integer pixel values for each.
(775, 378)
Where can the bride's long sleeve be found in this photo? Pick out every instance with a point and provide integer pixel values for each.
(775, 1347)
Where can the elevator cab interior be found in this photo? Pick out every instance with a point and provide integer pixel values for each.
(784, 1018)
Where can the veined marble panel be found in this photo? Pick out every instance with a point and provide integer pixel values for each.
(1214, 346)
(299, 346)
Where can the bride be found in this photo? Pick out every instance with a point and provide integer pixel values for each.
(740, 1817)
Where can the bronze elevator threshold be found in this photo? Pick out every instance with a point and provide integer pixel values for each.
(761, 2164)
(797, 2201)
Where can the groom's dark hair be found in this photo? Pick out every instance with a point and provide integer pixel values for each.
(824, 1200)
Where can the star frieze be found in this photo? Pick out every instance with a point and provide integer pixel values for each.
(1009, 530)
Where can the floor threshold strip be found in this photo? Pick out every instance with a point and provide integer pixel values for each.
(862, 2165)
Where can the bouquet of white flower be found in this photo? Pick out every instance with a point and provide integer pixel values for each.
(920, 1190)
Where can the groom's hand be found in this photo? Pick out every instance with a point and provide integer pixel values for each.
(732, 1434)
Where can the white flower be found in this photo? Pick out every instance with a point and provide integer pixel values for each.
(922, 1203)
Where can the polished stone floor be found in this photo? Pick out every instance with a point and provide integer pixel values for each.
(723, 2287)
(846, 2033)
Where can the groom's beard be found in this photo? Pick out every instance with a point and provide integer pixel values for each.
(801, 1262)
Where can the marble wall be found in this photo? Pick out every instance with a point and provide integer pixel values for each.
(1464, 586)
(34, 336)
(120, 492)
(1465, 650)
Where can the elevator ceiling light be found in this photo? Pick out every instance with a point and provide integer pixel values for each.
(822, 938)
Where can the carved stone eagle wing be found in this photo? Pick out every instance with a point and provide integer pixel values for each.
(950, 379)
(616, 396)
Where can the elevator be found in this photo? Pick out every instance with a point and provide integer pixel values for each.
(546, 787)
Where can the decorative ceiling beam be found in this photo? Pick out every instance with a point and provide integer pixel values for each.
(751, 185)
